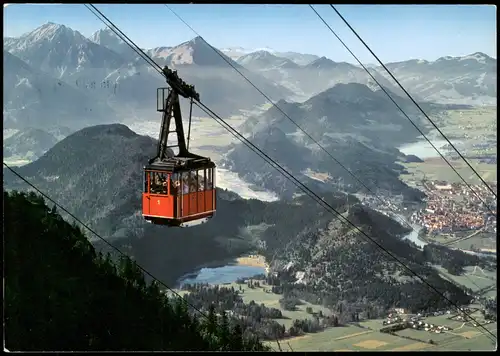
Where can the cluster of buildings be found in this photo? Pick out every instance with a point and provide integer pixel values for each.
(415, 322)
(453, 207)
(432, 328)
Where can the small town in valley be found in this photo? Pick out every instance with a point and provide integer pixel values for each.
(452, 208)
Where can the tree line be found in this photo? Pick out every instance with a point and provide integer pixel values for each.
(61, 294)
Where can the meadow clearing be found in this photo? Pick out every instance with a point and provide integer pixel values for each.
(476, 131)
(366, 336)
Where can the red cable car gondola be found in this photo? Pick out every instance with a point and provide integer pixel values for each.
(178, 189)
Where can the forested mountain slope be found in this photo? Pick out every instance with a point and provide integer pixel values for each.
(60, 295)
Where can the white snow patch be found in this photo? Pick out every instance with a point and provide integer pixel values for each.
(476, 56)
(231, 181)
(480, 79)
(25, 82)
(8, 133)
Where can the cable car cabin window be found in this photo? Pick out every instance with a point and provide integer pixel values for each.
(145, 181)
(209, 181)
(185, 182)
(175, 183)
(201, 180)
(193, 182)
(159, 183)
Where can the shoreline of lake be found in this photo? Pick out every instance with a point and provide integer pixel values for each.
(226, 271)
(423, 150)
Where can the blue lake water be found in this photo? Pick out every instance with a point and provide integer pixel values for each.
(220, 275)
(423, 149)
(413, 237)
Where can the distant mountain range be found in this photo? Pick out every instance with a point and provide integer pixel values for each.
(56, 78)
(461, 80)
(356, 125)
(96, 173)
(34, 98)
(28, 144)
(113, 75)
(299, 58)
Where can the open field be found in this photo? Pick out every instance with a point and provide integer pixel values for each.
(476, 131)
(352, 338)
(207, 136)
(474, 278)
(476, 124)
(464, 336)
(481, 241)
(366, 336)
(252, 260)
(349, 338)
(272, 300)
(438, 169)
(480, 342)
(469, 240)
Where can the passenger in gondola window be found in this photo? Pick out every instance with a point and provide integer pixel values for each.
(155, 188)
(201, 180)
(193, 184)
(174, 184)
(165, 185)
(148, 182)
(209, 180)
(159, 183)
(185, 183)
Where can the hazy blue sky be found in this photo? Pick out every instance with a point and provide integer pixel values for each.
(394, 32)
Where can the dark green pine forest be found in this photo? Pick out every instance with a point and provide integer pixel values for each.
(62, 295)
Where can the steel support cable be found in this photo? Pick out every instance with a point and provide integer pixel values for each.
(343, 43)
(212, 116)
(150, 61)
(337, 214)
(145, 271)
(317, 143)
(109, 244)
(414, 102)
(155, 66)
(401, 109)
(306, 190)
(289, 118)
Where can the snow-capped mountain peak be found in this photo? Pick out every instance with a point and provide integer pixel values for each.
(61, 51)
(262, 54)
(264, 49)
(322, 63)
(105, 36)
(237, 52)
(159, 52)
(264, 60)
(255, 56)
(51, 32)
(478, 56)
(195, 51)
(197, 41)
